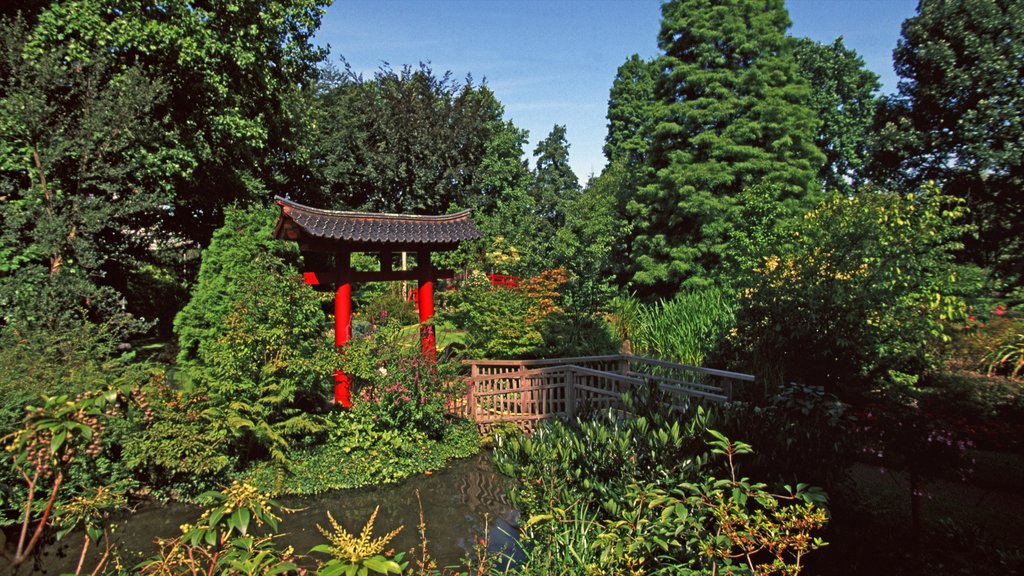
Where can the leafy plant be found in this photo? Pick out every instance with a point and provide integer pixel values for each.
(220, 542)
(1009, 356)
(356, 556)
(399, 386)
(42, 451)
(685, 329)
(861, 287)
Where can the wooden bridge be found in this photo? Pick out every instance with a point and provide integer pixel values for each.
(526, 392)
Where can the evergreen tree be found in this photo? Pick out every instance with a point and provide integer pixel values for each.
(961, 93)
(736, 114)
(242, 248)
(554, 182)
(633, 112)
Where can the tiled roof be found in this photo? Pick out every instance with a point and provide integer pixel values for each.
(298, 222)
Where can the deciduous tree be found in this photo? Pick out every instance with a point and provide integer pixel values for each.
(961, 91)
(843, 97)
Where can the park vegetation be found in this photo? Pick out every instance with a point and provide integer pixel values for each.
(763, 209)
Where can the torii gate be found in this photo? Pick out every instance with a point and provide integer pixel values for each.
(342, 233)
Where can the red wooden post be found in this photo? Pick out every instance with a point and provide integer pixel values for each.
(425, 303)
(343, 325)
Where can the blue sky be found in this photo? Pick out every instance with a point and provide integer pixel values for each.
(552, 62)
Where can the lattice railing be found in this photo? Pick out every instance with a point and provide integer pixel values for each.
(529, 391)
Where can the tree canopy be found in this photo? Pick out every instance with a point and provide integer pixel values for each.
(126, 127)
(407, 141)
(843, 97)
(955, 118)
(736, 113)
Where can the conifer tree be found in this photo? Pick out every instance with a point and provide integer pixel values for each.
(736, 114)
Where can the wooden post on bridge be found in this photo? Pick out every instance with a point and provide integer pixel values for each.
(570, 394)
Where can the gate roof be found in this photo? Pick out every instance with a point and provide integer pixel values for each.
(322, 230)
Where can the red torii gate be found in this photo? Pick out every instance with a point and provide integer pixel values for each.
(342, 233)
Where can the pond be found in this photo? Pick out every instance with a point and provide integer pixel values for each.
(459, 503)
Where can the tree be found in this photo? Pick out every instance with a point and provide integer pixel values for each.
(554, 183)
(736, 114)
(252, 340)
(406, 141)
(237, 247)
(84, 171)
(633, 112)
(962, 91)
(842, 96)
(127, 126)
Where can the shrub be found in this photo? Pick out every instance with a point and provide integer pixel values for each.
(495, 319)
(253, 342)
(860, 288)
(396, 384)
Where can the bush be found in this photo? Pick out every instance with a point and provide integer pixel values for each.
(801, 432)
(497, 320)
(253, 343)
(396, 384)
(858, 289)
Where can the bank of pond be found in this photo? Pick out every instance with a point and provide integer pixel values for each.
(462, 505)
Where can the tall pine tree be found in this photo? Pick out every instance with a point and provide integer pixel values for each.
(736, 114)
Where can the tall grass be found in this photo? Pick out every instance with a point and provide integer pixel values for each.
(684, 329)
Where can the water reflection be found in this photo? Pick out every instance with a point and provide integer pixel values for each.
(457, 504)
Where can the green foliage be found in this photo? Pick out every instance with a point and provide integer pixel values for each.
(1009, 356)
(220, 542)
(406, 141)
(633, 112)
(726, 525)
(254, 345)
(583, 246)
(802, 432)
(736, 113)
(107, 181)
(959, 68)
(168, 441)
(495, 319)
(842, 96)
(554, 183)
(685, 329)
(592, 460)
(396, 384)
(82, 356)
(861, 288)
(53, 437)
(358, 451)
(240, 249)
(79, 176)
(632, 495)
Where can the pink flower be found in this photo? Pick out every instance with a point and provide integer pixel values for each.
(1000, 309)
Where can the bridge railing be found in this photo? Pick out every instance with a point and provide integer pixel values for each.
(526, 392)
